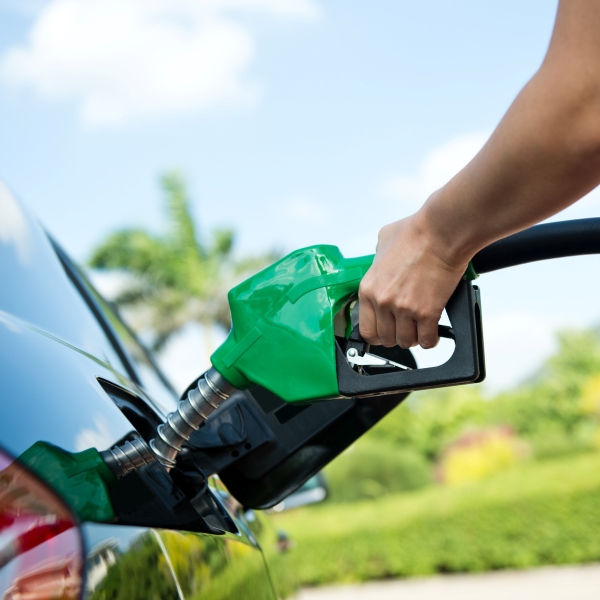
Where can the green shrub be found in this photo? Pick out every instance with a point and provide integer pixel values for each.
(535, 514)
(551, 443)
(370, 469)
(428, 420)
(480, 454)
(563, 397)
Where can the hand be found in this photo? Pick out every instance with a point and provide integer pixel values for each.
(403, 294)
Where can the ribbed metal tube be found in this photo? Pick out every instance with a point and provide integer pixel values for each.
(128, 457)
(201, 401)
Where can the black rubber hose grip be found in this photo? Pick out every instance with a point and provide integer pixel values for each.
(541, 242)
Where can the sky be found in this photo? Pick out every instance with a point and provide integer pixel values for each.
(293, 121)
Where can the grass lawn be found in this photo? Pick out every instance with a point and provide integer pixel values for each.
(537, 513)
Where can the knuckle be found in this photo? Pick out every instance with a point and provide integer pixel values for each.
(384, 300)
(365, 290)
(400, 306)
(367, 280)
(423, 315)
(382, 234)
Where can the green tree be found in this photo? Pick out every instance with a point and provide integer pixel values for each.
(428, 420)
(176, 277)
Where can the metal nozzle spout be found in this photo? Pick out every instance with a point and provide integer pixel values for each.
(128, 457)
(201, 401)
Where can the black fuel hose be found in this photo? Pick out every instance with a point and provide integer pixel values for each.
(541, 242)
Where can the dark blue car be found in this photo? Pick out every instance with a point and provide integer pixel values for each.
(74, 383)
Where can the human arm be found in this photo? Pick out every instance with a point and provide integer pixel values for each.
(543, 156)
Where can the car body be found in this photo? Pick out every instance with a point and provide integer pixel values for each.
(63, 350)
(75, 383)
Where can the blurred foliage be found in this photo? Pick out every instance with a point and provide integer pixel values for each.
(525, 472)
(140, 573)
(556, 413)
(590, 396)
(206, 566)
(479, 455)
(217, 567)
(551, 402)
(371, 469)
(534, 514)
(428, 421)
(177, 277)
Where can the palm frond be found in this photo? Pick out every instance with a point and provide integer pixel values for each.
(131, 250)
(222, 242)
(174, 278)
(183, 231)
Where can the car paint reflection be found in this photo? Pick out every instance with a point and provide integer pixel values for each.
(126, 563)
(217, 568)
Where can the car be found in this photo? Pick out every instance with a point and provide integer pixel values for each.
(76, 384)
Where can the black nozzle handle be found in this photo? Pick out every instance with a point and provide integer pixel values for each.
(446, 332)
(464, 366)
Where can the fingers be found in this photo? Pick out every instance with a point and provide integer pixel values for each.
(403, 294)
(383, 323)
(377, 323)
(367, 322)
(406, 331)
(388, 329)
(384, 328)
(386, 324)
(428, 332)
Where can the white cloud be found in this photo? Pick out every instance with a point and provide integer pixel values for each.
(130, 59)
(402, 194)
(408, 191)
(436, 169)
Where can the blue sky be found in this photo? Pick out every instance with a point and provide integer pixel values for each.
(295, 122)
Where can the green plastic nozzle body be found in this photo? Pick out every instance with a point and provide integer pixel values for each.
(282, 335)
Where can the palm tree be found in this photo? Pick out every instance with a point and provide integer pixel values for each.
(175, 278)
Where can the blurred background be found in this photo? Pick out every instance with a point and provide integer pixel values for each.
(233, 131)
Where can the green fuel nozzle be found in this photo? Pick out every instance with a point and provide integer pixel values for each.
(294, 333)
(283, 332)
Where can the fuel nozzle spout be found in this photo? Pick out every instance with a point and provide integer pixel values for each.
(129, 456)
(211, 391)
